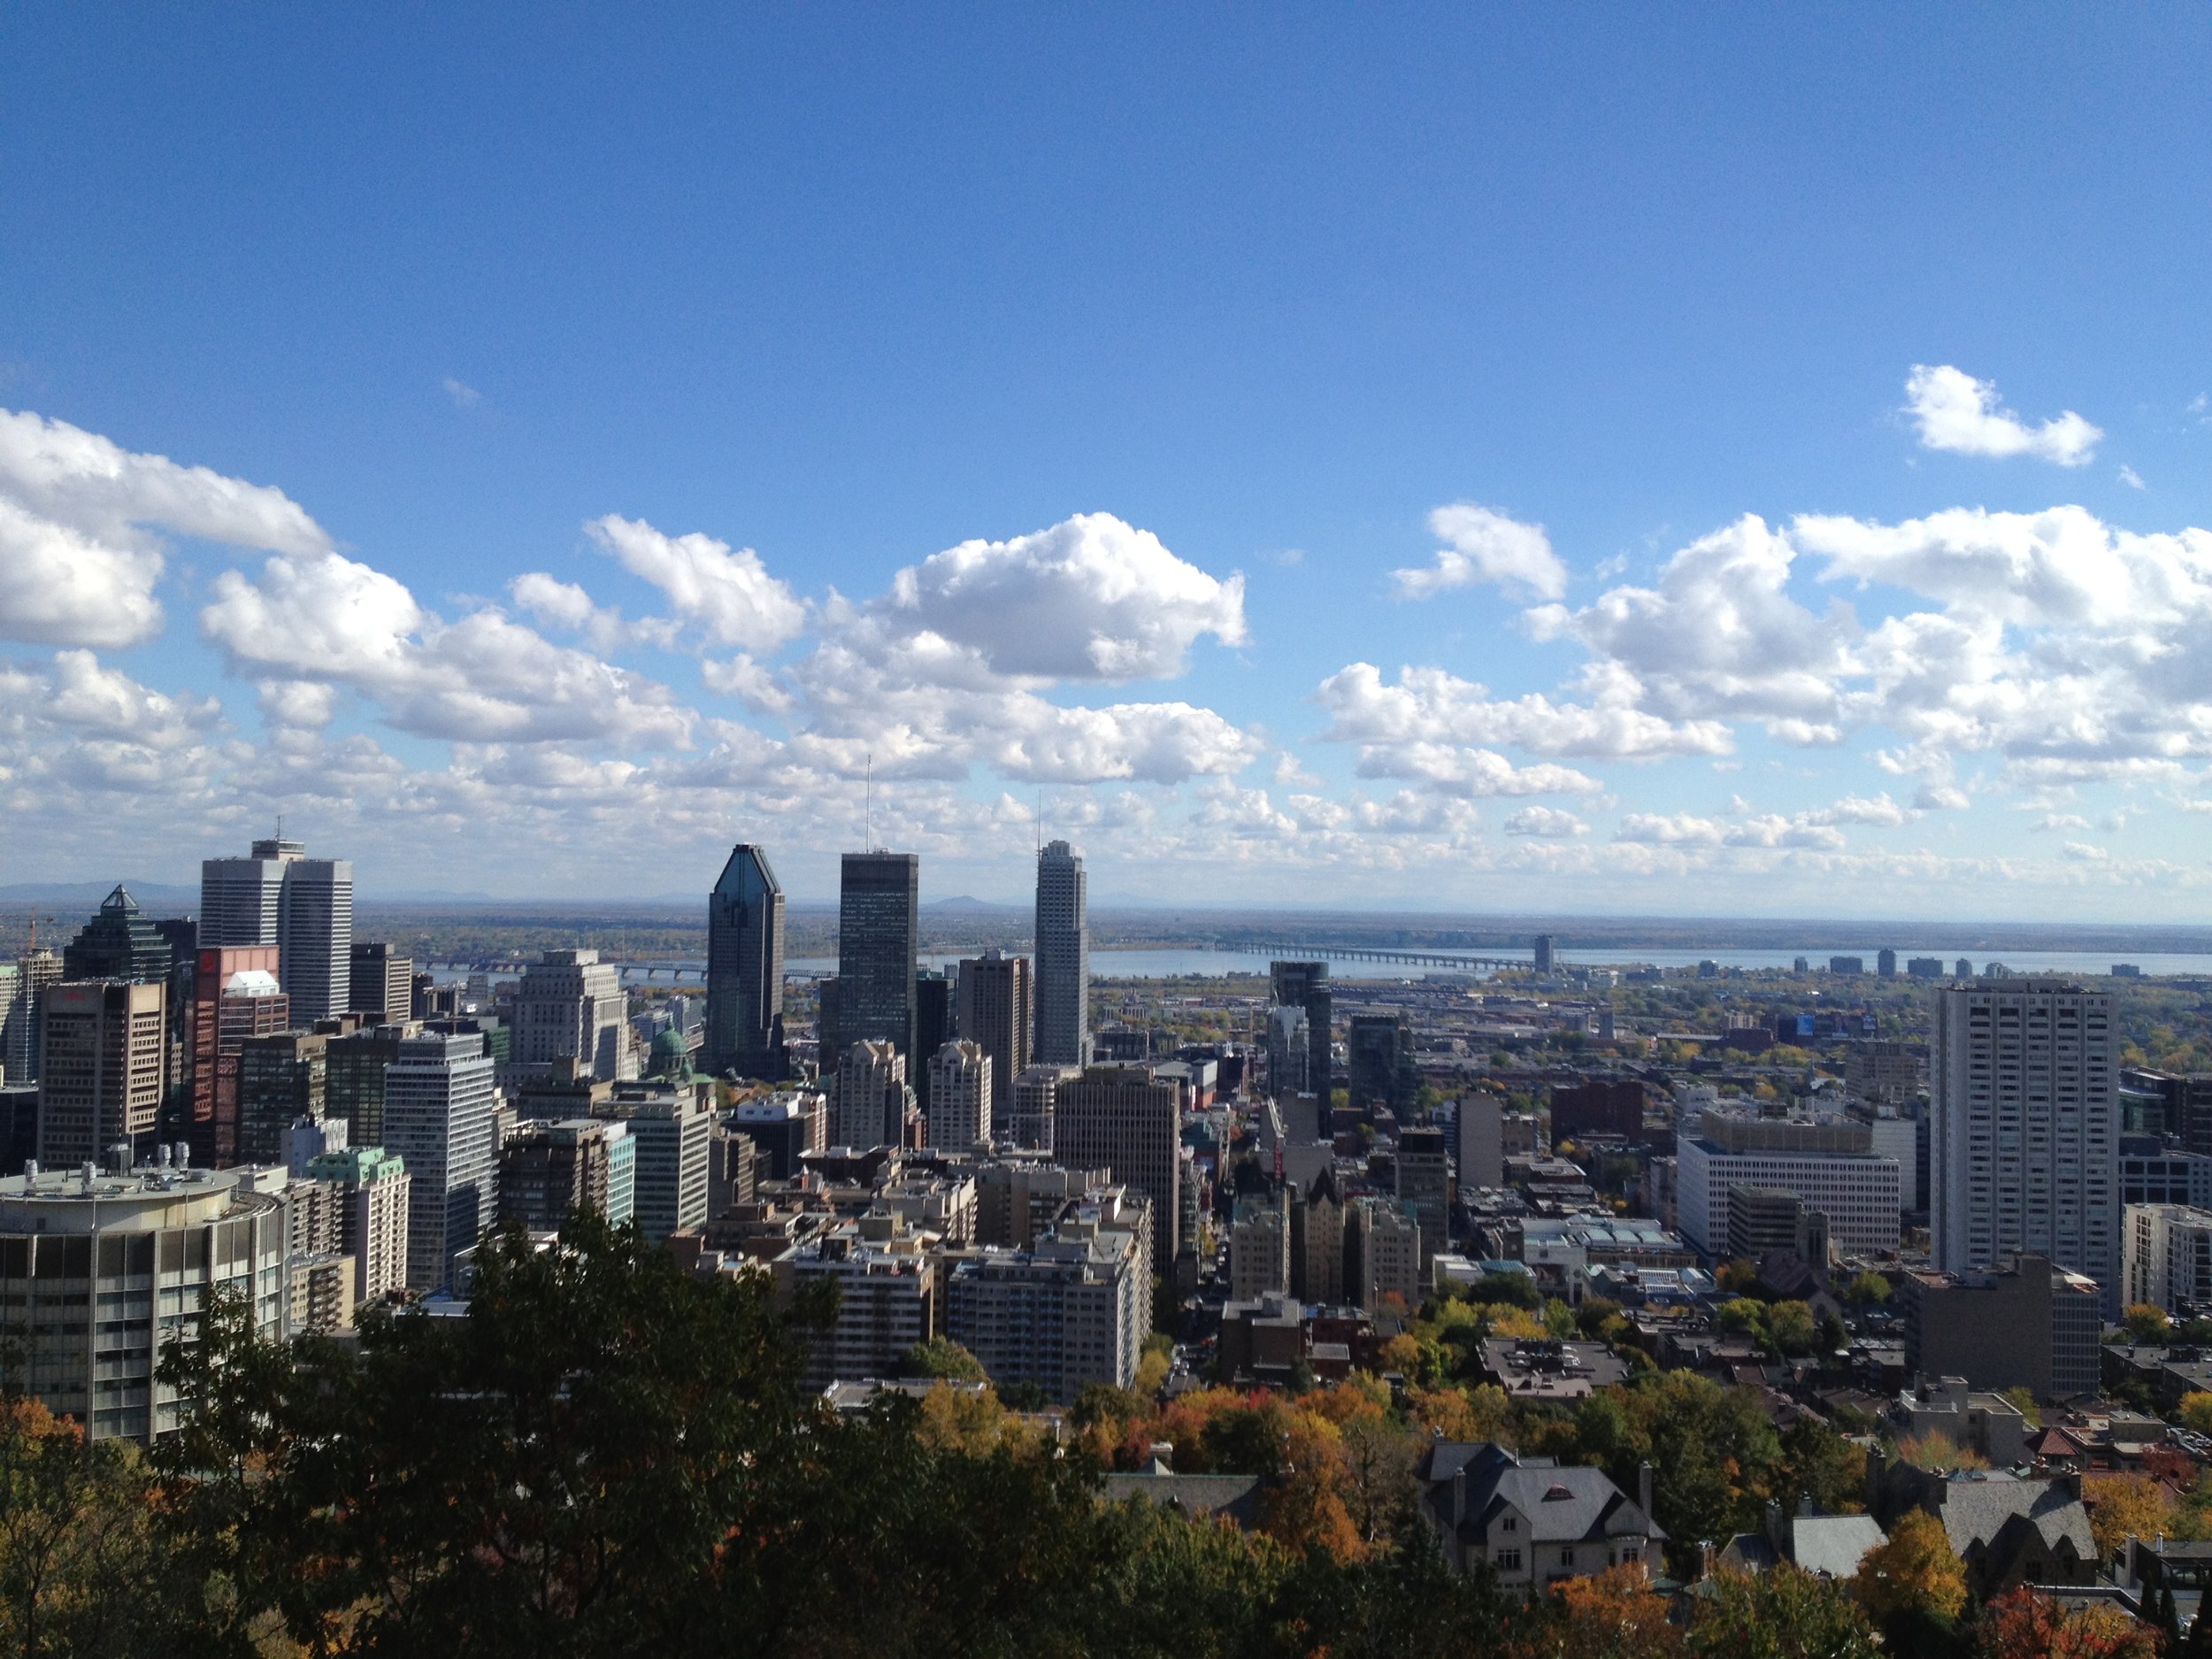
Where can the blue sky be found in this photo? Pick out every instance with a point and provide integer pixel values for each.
(502, 337)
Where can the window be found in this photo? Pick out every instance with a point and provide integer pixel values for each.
(1508, 1525)
(1507, 1560)
(1567, 1556)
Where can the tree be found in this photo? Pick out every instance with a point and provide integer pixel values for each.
(2146, 1322)
(2026, 1625)
(1611, 1615)
(1867, 1288)
(1783, 1613)
(1915, 1573)
(1937, 1450)
(942, 1357)
(2121, 1507)
(2196, 1411)
(2023, 1400)
(1790, 1327)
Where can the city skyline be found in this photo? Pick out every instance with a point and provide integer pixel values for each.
(1421, 550)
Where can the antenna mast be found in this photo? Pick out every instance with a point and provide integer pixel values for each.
(870, 775)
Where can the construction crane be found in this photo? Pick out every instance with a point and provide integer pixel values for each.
(35, 920)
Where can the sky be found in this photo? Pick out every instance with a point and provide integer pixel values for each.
(1718, 460)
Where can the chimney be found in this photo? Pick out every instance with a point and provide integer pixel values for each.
(1643, 1487)
(1459, 1494)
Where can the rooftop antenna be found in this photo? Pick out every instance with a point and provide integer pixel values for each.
(1041, 823)
(870, 774)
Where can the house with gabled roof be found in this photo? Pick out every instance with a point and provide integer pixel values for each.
(1534, 1521)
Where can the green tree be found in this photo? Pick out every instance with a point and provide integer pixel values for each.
(2144, 1322)
(1867, 1288)
(1790, 1328)
(1783, 1613)
(941, 1356)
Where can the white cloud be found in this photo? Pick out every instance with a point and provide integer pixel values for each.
(1091, 598)
(1955, 412)
(728, 592)
(1485, 546)
(2132, 479)
(79, 554)
(1548, 822)
(1428, 705)
(464, 395)
(483, 679)
(747, 680)
(1455, 769)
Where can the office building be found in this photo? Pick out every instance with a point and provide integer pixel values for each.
(1604, 1106)
(382, 984)
(1122, 1119)
(1830, 1165)
(1067, 1312)
(1063, 959)
(674, 1133)
(1891, 1136)
(783, 1127)
(104, 1043)
(1481, 1127)
(2026, 1324)
(1423, 1177)
(550, 1171)
(236, 996)
(281, 1078)
(1378, 1053)
(936, 1023)
(117, 943)
(1036, 1091)
(1881, 1073)
(1287, 1054)
(995, 1015)
(1259, 1249)
(879, 933)
(1316, 1241)
(440, 1103)
(355, 1061)
(2166, 1261)
(1305, 985)
(1545, 953)
(141, 1247)
(1382, 1254)
(303, 906)
(745, 969)
(2025, 1128)
(873, 1102)
(19, 1040)
(960, 1088)
(571, 1005)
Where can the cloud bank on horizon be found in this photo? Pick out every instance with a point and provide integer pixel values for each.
(2030, 672)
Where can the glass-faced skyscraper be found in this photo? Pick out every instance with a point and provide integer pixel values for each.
(304, 906)
(745, 969)
(1063, 959)
(878, 932)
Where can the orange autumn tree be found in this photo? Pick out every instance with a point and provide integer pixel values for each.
(1914, 1572)
(2026, 1625)
(1611, 1615)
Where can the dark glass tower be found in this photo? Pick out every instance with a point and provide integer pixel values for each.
(745, 969)
(878, 932)
(1306, 985)
(1063, 959)
(119, 943)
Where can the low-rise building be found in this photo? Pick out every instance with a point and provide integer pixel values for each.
(1531, 1520)
(1069, 1312)
(2029, 1325)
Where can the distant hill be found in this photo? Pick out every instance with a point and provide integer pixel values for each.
(964, 905)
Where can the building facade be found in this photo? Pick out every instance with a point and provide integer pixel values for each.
(2026, 1136)
(439, 1118)
(372, 1189)
(383, 981)
(2168, 1258)
(1121, 1119)
(1066, 1313)
(571, 1005)
(961, 1080)
(1829, 1165)
(997, 1014)
(745, 969)
(879, 935)
(1305, 985)
(103, 1068)
(1063, 958)
(872, 1099)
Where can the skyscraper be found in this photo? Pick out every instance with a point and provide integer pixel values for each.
(872, 1099)
(101, 1082)
(117, 943)
(1381, 1070)
(383, 981)
(936, 1022)
(571, 1005)
(235, 998)
(2027, 1126)
(960, 1087)
(1306, 985)
(995, 1014)
(303, 906)
(745, 969)
(34, 973)
(1063, 958)
(439, 1103)
(878, 932)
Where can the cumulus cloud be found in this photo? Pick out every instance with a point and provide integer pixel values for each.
(1091, 598)
(1485, 546)
(1429, 705)
(325, 619)
(728, 592)
(1549, 822)
(1955, 412)
(1685, 829)
(80, 552)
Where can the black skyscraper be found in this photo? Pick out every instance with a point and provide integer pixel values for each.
(878, 930)
(1306, 985)
(745, 969)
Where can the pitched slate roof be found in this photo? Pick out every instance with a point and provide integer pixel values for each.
(1563, 1505)
(1834, 1544)
(1979, 1507)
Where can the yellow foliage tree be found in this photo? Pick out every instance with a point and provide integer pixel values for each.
(1915, 1572)
(1932, 1450)
(2126, 1506)
(1518, 1323)
(1463, 1414)
(2196, 1411)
